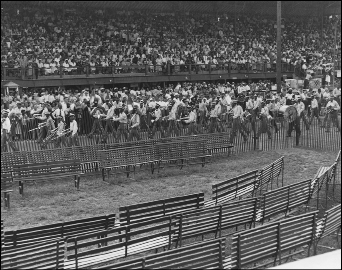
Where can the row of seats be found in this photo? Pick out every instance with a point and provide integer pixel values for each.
(103, 247)
(270, 204)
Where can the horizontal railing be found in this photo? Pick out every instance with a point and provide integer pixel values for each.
(146, 69)
(28, 73)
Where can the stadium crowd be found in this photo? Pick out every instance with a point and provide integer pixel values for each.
(44, 41)
(202, 107)
(47, 39)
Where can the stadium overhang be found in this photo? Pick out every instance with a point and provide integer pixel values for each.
(289, 8)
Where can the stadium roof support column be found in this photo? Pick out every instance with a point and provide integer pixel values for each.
(235, 43)
(322, 24)
(334, 56)
(278, 46)
(63, 17)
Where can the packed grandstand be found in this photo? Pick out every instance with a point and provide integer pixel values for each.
(49, 38)
(93, 89)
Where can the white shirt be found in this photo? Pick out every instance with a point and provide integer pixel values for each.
(249, 104)
(238, 112)
(16, 111)
(228, 99)
(64, 106)
(51, 98)
(256, 104)
(326, 95)
(289, 96)
(300, 107)
(172, 115)
(334, 105)
(59, 112)
(337, 92)
(314, 103)
(158, 114)
(192, 117)
(73, 127)
(6, 125)
(218, 108)
(122, 118)
(265, 111)
(60, 128)
(110, 113)
(152, 104)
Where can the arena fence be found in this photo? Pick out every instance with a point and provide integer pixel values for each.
(316, 137)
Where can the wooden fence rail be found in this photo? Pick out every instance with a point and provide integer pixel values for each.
(316, 137)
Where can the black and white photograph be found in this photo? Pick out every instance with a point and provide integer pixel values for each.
(170, 135)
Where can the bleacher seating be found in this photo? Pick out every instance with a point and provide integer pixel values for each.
(119, 242)
(43, 255)
(2, 234)
(216, 219)
(328, 225)
(47, 171)
(249, 184)
(86, 154)
(176, 153)
(215, 144)
(204, 255)
(25, 238)
(322, 180)
(284, 200)
(6, 187)
(166, 207)
(271, 173)
(271, 241)
(145, 227)
(241, 186)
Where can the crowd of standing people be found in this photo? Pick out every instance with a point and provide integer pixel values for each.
(61, 115)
